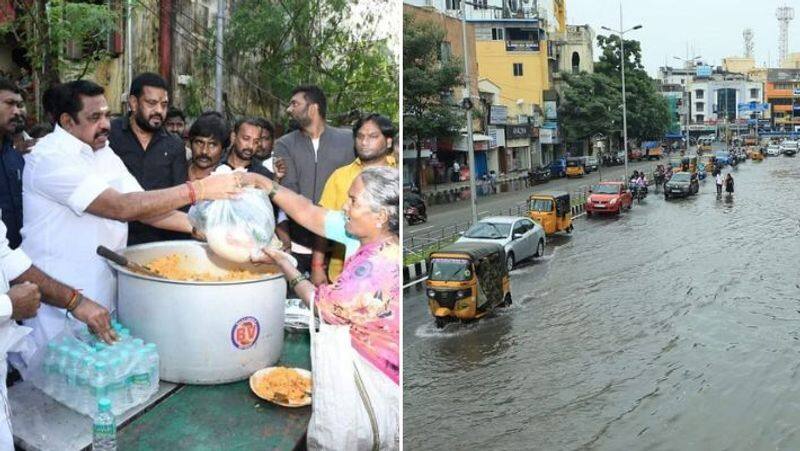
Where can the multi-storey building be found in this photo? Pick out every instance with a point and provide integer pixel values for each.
(782, 92)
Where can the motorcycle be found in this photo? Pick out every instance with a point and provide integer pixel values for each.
(638, 192)
(414, 216)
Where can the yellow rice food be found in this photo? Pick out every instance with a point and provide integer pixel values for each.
(176, 267)
(284, 385)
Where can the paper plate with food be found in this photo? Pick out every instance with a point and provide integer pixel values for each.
(287, 387)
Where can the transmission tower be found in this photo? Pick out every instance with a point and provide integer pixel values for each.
(785, 14)
(748, 42)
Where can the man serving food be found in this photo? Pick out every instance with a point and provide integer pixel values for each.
(78, 195)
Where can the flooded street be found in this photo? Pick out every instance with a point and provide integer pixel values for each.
(674, 326)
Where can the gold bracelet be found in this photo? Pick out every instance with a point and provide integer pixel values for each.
(293, 283)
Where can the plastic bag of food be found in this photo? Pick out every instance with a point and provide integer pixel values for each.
(236, 228)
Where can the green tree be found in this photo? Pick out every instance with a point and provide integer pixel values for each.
(593, 102)
(279, 45)
(428, 82)
(648, 110)
(47, 27)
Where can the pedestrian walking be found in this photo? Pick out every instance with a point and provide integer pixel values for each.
(719, 183)
(729, 184)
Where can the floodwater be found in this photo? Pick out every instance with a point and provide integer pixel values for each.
(675, 326)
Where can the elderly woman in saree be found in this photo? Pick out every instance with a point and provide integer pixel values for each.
(364, 301)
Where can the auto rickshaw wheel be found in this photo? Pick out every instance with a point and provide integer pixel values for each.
(569, 229)
(440, 322)
(507, 300)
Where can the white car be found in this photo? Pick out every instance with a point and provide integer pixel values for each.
(789, 147)
(773, 150)
(522, 238)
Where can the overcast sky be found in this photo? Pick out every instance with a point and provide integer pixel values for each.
(713, 28)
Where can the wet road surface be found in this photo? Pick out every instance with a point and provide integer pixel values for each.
(674, 326)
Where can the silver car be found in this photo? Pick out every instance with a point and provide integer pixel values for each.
(522, 238)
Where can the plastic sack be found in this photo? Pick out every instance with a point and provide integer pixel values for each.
(236, 229)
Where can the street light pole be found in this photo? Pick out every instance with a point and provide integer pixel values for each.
(621, 32)
(467, 95)
(624, 103)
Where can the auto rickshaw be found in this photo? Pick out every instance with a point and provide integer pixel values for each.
(575, 167)
(467, 281)
(676, 163)
(755, 154)
(552, 211)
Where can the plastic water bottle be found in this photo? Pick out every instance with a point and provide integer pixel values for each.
(71, 393)
(61, 381)
(119, 388)
(100, 380)
(152, 363)
(50, 367)
(104, 430)
(124, 335)
(140, 377)
(85, 373)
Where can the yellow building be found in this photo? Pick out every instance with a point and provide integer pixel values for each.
(511, 47)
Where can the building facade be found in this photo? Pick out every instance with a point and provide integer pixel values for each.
(782, 92)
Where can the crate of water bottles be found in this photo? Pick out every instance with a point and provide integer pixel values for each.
(79, 370)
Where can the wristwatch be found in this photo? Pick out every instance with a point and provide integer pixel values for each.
(273, 191)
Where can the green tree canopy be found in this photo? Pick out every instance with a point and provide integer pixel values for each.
(593, 102)
(428, 83)
(280, 45)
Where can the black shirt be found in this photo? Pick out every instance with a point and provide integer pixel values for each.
(161, 165)
(11, 165)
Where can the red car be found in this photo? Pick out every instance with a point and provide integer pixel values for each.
(608, 197)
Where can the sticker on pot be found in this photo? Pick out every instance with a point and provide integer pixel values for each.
(245, 332)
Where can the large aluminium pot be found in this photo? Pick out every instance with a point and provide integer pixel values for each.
(206, 332)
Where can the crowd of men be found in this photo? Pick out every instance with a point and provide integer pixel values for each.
(83, 179)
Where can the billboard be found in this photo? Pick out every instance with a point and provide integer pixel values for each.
(703, 71)
(498, 115)
(550, 110)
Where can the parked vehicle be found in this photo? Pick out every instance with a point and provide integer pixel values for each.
(414, 209)
(467, 281)
(592, 163)
(520, 237)
(558, 168)
(608, 197)
(635, 155)
(653, 150)
(575, 167)
(682, 184)
(539, 175)
(552, 211)
(773, 150)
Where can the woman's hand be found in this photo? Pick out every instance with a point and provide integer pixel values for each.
(274, 256)
(219, 186)
(257, 180)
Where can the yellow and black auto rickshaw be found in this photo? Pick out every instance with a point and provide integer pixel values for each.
(575, 167)
(552, 211)
(467, 281)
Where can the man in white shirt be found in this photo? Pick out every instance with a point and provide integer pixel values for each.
(23, 285)
(78, 195)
